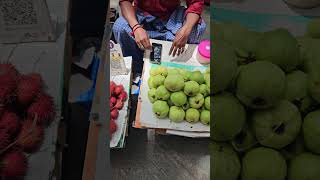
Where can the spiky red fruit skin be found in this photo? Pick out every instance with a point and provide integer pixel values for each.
(8, 81)
(28, 88)
(9, 69)
(4, 139)
(112, 87)
(14, 165)
(44, 108)
(7, 89)
(30, 137)
(1, 111)
(9, 123)
(113, 127)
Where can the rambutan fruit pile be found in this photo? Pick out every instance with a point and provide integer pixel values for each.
(25, 111)
(117, 98)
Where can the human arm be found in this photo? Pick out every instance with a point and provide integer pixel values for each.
(192, 18)
(140, 35)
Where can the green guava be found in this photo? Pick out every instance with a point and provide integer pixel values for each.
(224, 67)
(174, 83)
(173, 71)
(178, 98)
(225, 163)
(260, 84)
(277, 127)
(314, 85)
(296, 86)
(160, 109)
(150, 83)
(192, 115)
(191, 88)
(185, 74)
(207, 103)
(158, 80)
(294, 149)
(186, 106)
(204, 90)
(228, 115)
(263, 164)
(196, 101)
(176, 114)
(162, 93)
(280, 47)
(245, 140)
(197, 76)
(205, 117)
(304, 167)
(309, 53)
(240, 38)
(311, 131)
(313, 28)
(307, 47)
(152, 95)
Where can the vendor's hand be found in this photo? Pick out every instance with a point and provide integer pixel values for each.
(142, 39)
(180, 41)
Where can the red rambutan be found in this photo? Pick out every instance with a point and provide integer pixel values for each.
(1, 110)
(28, 88)
(113, 127)
(14, 165)
(9, 69)
(4, 139)
(30, 137)
(8, 81)
(43, 108)
(7, 89)
(9, 123)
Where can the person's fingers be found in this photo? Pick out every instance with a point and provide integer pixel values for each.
(179, 51)
(174, 51)
(171, 49)
(140, 45)
(146, 43)
(182, 50)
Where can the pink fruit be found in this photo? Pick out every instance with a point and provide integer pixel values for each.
(123, 96)
(14, 165)
(1, 110)
(4, 139)
(119, 104)
(9, 123)
(7, 89)
(43, 107)
(113, 127)
(28, 88)
(113, 100)
(30, 137)
(114, 114)
(112, 87)
(8, 68)
(118, 90)
(8, 80)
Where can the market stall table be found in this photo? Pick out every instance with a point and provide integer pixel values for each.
(145, 117)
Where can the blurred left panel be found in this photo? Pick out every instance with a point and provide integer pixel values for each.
(52, 116)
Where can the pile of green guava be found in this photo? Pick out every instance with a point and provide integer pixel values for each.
(179, 94)
(266, 98)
